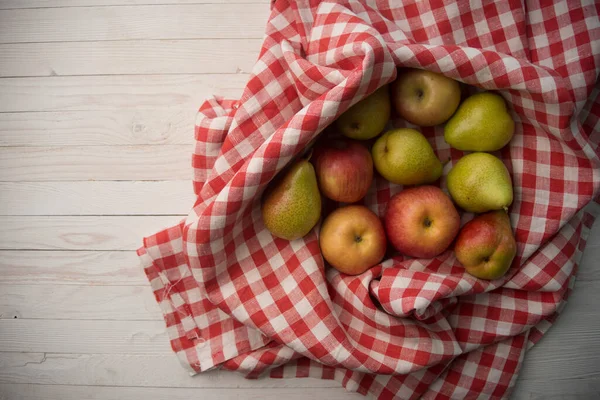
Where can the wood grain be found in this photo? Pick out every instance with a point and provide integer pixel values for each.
(128, 370)
(99, 127)
(177, 21)
(71, 268)
(117, 92)
(96, 198)
(100, 163)
(79, 233)
(101, 337)
(74, 302)
(63, 392)
(129, 57)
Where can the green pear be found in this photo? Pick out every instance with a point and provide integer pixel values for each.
(367, 118)
(481, 123)
(480, 182)
(404, 156)
(292, 207)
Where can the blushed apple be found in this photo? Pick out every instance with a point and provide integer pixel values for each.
(486, 245)
(425, 98)
(421, 221)
(344, 169)
(352, 239)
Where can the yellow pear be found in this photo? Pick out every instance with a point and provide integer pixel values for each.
(480, 182)
(292, 207)
(367, 118)
(404, 156)
(481, 123)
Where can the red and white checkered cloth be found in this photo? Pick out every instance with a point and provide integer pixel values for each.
(235, 297)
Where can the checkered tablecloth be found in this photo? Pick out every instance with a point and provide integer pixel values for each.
(235, 297)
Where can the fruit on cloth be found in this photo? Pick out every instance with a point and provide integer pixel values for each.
(344, 169)
(292, 206)
(404, 156)
(486, 245)
(421, 221)
(367, 118)
(425, 98)
(480, 182)
(481, 123)
(352, 239)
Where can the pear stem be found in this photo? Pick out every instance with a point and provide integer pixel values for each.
(308, 155)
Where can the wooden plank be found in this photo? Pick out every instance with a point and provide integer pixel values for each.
(557, 389)
(64, 392)
(73, 336)
(145, 337)
(572, 341)
(9, 4)
(193, 21)
(79, 233)
(163, 370)
(588, 270)
(128, 370)
(116, 92)
(101, 163)
(68, 302)
(71, 267)
(96, 198)
(129, 57)
(100, 127)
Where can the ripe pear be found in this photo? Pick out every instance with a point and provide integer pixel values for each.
(481, 123)
(486, 246)
(404, 156)
(292, 207)
(480, 182)
(367, 118)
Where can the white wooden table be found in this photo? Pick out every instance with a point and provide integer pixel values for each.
(97, 104)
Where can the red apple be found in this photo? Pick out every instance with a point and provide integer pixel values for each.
(344, 169)
(421, 221)
(486, 245)
(352, 239)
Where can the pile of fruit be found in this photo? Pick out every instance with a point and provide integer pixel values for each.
(421, 220)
